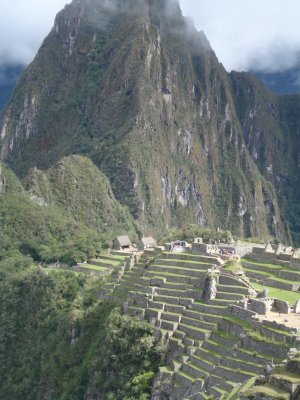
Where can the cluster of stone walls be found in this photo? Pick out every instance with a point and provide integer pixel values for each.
(276, 255)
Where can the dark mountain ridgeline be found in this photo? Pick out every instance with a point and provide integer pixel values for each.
(286, 82)
(133, 86)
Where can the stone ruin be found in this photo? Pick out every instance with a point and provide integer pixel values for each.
(276, 254)
(263, 306)
(239, 248)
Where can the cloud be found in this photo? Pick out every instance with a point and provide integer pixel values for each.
(245, 34)
(249, 34)
(23, 26)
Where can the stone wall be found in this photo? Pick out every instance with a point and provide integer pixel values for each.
(264, 347)
(231, 328)
(202, 248)
(260, 307)
(241, 313)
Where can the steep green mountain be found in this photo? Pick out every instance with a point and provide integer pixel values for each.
(134, 87)
(47, 227)
(270, 126)
(76, 186)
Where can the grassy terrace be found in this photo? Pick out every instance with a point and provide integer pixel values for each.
(94, 267)
(285, 295)
(271, 271)
(180, 260)
(288, 334)
(271, 391)
(269, 266)
(282, 373)
(261, 338)
(112, 262)
(244, 324)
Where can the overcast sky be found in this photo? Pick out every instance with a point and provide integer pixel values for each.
(262, 34)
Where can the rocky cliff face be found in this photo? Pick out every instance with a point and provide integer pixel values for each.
(136, 88)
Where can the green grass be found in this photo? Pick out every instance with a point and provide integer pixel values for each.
(282, 373)
(261, 338)
(271, 266)
(285, 295)
(114, 263)
(240, 322)
(276, 278)
(288, 334)
(241, 389)
(225, 335)
(233, 266)
(175, 260)
(264, 273)
(271, 391)
(94, 267)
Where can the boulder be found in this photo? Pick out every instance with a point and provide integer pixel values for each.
(297, 307)
(283, 307)
(210, 289)
(259, 307)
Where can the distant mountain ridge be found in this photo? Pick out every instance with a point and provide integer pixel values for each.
(286, 82)
(9, 75)
(139, 91)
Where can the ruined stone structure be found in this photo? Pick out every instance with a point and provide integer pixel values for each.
(276, 254)
(200, 311)
(209, 320)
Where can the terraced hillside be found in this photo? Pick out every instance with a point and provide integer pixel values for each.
(104, 264)
(275, 276)
(214, 347)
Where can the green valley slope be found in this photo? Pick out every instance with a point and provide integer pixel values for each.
(61, 220)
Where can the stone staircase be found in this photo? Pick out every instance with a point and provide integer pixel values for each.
(210, 352)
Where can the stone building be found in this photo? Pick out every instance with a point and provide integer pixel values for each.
(146, 243)
(122, 243)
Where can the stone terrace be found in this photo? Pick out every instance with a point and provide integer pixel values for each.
(277, 276)
(211, 348)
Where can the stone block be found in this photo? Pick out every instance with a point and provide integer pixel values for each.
(293, 366)
(297, 307)
(241, 312)
(231, 328)
(281, 306)
(210, 289)
(158, 282)
(259, 306)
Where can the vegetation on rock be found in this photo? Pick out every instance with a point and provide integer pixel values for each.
(57, 341)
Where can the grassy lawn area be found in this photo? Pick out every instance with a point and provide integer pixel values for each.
(281, 294)
(115, 263)
(94, 267)
(270, 266)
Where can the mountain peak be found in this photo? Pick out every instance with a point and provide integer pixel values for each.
(134, 87)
